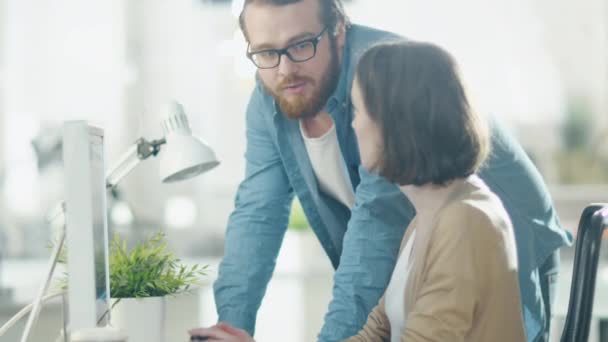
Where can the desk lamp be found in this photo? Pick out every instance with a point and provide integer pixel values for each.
(185, 156)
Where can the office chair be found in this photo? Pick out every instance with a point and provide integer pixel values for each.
(594, 220)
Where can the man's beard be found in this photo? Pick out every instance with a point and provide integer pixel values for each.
(306, 107)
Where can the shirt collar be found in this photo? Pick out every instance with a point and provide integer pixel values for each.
(339, 95)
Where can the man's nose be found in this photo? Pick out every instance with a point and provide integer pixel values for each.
(287, 66)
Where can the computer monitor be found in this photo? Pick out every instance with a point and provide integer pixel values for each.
(86, 226)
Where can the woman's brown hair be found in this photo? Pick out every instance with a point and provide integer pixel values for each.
(413, 91)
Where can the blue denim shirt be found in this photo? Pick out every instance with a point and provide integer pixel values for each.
(361, 243)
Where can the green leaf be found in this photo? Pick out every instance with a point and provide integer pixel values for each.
(148, 269)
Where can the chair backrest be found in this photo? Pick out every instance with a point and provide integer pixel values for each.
(588, 242)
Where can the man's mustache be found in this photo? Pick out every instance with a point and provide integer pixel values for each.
(293, 79)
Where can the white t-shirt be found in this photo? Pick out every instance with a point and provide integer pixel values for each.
(395, 292)
(329, 166)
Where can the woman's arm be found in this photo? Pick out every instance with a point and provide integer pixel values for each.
(377, 327)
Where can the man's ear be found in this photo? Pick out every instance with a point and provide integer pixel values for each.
(340, 34)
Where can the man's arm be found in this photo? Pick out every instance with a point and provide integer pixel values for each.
(255, 228)
(371, 244)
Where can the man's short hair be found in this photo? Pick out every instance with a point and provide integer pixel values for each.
(332, 13)
(430, 133)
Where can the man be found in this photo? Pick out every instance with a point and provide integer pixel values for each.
(300, 142)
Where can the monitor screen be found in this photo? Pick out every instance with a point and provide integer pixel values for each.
(100, 227)
(86, 226)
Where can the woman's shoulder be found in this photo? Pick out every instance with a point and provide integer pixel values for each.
(476, 209)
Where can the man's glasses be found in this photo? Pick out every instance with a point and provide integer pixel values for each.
(296, 52)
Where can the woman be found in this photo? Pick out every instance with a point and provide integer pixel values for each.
(456, 275)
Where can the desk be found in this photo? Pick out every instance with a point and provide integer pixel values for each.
(292, 309)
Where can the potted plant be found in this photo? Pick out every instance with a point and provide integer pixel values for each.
(579, 160)
(300, 251)
(141, 278)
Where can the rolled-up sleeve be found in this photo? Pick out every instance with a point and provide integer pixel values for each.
(371, 243)
(255, 228)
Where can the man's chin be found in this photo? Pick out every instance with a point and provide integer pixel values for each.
(294, 114)
(293, 110)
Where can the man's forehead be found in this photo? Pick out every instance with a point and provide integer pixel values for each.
(273, 26)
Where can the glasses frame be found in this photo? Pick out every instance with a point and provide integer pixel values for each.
(285, 51)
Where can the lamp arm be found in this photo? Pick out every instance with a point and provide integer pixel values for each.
(141, 150)
(19, 315)
(35, 311)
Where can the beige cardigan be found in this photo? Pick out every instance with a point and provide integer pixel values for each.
(462, 285)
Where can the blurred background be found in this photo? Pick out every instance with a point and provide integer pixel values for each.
(539, 66)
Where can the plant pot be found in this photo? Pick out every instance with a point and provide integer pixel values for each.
(142, 319)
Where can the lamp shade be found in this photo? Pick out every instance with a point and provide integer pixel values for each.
(184, 155)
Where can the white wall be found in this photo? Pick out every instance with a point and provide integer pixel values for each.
(118, 62)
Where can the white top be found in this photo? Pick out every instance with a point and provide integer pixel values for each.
(395, 292)
(329, 166)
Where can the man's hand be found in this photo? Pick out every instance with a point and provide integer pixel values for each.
(220, 332)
